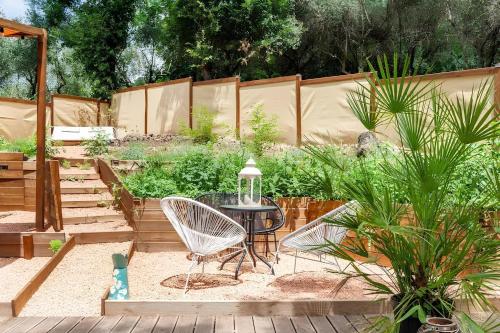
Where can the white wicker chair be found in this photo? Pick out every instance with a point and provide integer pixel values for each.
(204, 230)
(313, 235)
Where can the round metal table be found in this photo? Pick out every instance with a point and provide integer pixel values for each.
(248, 217)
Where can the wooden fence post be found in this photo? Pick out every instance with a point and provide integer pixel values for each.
(145, 109)
(238, 114)
(190, 120)
(28, 247)
(496, 89)
(298, 108)
(54, 202)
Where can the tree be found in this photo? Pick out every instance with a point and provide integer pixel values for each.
(209, 39)
(98, 34)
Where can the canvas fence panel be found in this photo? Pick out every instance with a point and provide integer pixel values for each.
(17, 119)
(277, 99)
(221, 99)
(71, 111)
(168, 107)
(128, 111)
(326, 116)
(451, 86)
(105, 118)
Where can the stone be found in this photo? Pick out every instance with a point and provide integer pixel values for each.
(366, 142)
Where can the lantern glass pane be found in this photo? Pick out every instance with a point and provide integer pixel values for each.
(250, 191)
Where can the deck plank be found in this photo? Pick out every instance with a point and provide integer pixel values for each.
(224, 324)
(282, 324)
(165, 324)
(321, 324)
(126, 324)
(302, 324)
(358, 321)
(341, 324)
(5, 327)
(263, 325)
(86, 324)
(66, 325)
(26, 325)
(146, 324)
(204, 324)
(106, 324)
(46, 325)
(243, 324)
(185, 324)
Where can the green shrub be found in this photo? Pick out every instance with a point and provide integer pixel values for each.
(203, 125)
(55, 245)
(97, 146)
(151, 183)
(134, 151)
(65, 164)
(264, 131)
(27, 146)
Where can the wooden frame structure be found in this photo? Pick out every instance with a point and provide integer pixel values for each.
(18, 30)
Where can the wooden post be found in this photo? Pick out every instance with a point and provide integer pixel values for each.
(52, 112)
(496, 89)
(190, 102)
(98, 113)
(298, 108)
(28, 247)
(238, 110)
(145, 109)
(40, 130)
(55, 182)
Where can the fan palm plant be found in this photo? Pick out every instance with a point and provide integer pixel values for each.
(441, 254)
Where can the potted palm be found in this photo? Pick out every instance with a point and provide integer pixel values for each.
(441, 254)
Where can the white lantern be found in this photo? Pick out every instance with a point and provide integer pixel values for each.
(249, 185)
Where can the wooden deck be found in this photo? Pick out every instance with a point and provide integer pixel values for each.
(187, 324)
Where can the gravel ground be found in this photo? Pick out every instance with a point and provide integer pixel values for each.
(15, 273)
(76, 285)
(149, 275)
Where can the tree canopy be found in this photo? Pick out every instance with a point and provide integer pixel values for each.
(97, 46)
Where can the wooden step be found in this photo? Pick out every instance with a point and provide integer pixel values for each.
(86, 200)
(77, 174)
(91, 215)
(84, 187)
(160, 246)
(158, 236)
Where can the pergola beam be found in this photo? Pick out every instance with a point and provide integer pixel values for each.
(15, 29)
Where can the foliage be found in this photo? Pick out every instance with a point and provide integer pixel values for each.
(55, 245)
(264, 131)
(65, 164)
(27, 146)
(151, 183)
(134, 151)
(96, 146)
(203, 126)
(443, 253)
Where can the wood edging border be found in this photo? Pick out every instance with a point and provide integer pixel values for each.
(73, 97)
(153, 85)
(32, 286)
(103, 237)
(280, 79)
(245, 307)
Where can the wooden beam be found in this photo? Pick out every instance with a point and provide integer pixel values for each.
(168, 83)
(145, 109)
(298, 109)
(216, 81)
(268, 81)
(28, 247)
(238, 108)
(337, 78)
(40, 130)
(55, 182)
(17, 100)
(496, 90)
(22, 28)
(190, 119)
(77, 98)
(32, 286)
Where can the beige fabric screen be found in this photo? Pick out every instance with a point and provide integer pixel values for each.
(17, 119)
(277, 99)
(219, 98)
(128, 111)
(326, 116)
(452, 87)
(74, 112)
(168, 108)
(104, 115)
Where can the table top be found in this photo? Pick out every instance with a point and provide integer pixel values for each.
(261, 208)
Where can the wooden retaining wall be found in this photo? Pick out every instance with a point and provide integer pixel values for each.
(12, 244)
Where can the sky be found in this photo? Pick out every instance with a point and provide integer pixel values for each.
(12, 8)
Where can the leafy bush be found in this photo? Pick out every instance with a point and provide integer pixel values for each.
(97, 146)
(264, 131)
(134, 151)
(55, 245)
(27, 146)
(203, 125)
(151, 183)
